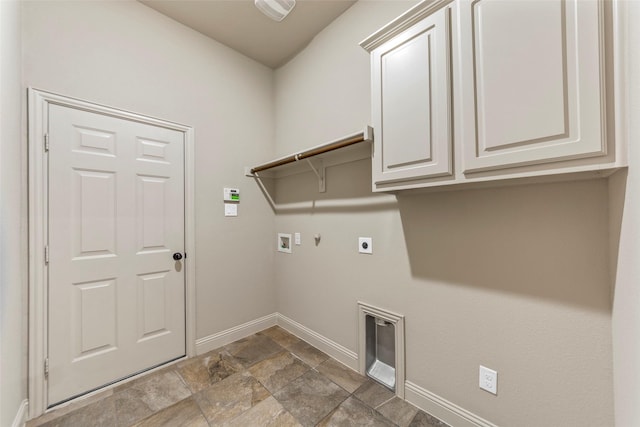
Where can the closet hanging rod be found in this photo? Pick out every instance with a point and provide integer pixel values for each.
(366, 135)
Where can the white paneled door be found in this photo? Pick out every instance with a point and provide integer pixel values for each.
(116, 296)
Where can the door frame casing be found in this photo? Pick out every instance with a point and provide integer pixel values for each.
(38, 102)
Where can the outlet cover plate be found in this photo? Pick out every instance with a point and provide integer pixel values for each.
(365, 245)
(284, 243)
(488, 380)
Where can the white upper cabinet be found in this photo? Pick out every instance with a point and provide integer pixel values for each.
(531, 82)
(467, 91)
(411, 95)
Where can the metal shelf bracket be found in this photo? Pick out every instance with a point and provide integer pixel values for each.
(317, 165)
(320, 173)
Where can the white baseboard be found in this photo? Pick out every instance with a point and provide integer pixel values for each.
(228, 336)
(441, 408)
(21, 415)
(332, 348)
(429, 402)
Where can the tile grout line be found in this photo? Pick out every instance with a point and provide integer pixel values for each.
(333, 409)
(176, 370)
(383, 403)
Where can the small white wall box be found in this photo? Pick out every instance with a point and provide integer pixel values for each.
(365, 245)
(284, 243)
(231, 195)
(230, 209)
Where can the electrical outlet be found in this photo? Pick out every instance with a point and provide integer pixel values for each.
(365, 245)
(488, 380)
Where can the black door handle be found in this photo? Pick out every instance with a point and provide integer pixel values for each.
(177, 256)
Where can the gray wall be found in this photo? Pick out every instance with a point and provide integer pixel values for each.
(126, 55)
(514, 278)
(13, 385)
(624, 192)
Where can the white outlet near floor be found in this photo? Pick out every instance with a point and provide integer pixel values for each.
(365, 245)
(488, 380)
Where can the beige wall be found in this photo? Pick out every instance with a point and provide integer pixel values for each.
(514, 278)
(625, 236)
(13, 386)
(124, 54)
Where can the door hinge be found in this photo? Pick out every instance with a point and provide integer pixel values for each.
(46, 142)
(46, 368)
(46, 254)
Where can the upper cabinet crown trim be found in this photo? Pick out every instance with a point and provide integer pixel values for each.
(402, 23)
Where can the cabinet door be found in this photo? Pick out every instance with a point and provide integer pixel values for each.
(531, 82)
(411, 103)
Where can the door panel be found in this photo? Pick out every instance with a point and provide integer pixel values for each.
(93, 229)
(151, 213)
(152, 299)
(531, 82)
(411, 103)
(116, 215)
(406, 74)
(529, 105)
(94, 317)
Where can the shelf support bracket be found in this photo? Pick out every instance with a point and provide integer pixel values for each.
(264, 189)
(320, 173)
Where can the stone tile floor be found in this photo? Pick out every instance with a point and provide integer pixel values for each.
(271, 378)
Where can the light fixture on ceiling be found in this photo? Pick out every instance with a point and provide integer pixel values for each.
(275, 9)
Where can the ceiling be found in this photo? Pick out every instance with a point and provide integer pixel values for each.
(241, 26)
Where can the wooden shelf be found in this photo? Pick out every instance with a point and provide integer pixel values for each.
(346, 149)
